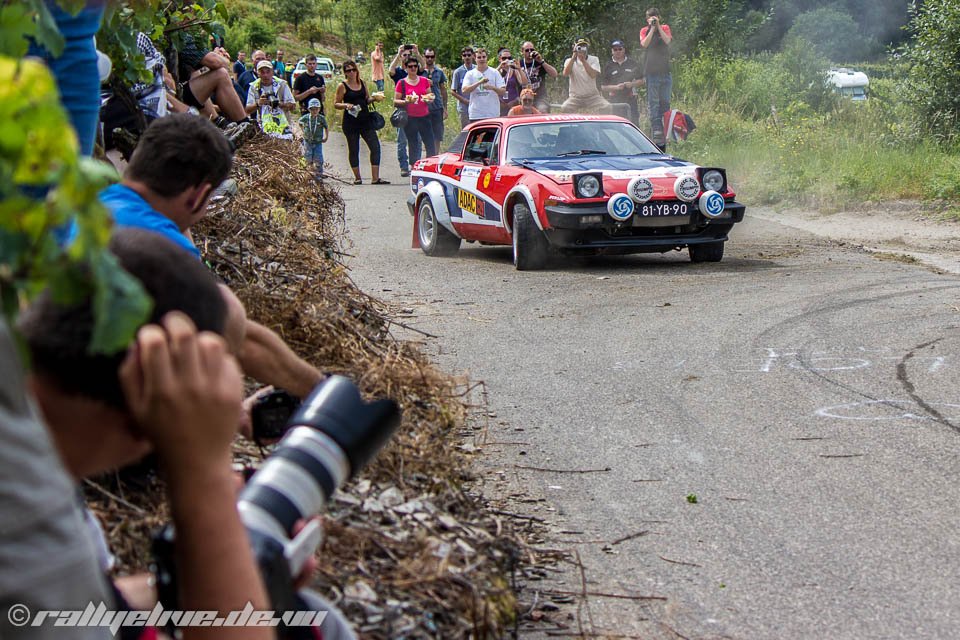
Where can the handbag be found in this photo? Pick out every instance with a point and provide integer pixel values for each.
(399, 118)
(377, 120)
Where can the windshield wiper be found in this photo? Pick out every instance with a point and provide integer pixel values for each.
(582, 152)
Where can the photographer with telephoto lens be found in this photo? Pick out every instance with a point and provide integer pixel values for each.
(329, 438)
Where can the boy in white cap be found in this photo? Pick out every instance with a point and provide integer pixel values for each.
(315, 131)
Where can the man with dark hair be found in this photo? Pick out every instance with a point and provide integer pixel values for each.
(203, 73)
(165, 188)
(438, 82)
(178, 162)
(656, 38)
(175, 391)
(309, 85)
(456, 86)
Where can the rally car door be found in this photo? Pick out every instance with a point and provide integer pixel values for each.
(476, 214)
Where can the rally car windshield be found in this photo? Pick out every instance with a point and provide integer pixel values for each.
(554, 139)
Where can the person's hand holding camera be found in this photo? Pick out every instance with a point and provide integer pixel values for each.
(185, 393)
(264, 100)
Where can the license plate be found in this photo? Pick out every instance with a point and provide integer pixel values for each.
(661, 209)
(470, 203)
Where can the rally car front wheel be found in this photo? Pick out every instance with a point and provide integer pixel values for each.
(435, 239)
(530, 246)
(708, 252)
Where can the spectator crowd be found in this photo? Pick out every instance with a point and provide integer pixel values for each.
(176, 390)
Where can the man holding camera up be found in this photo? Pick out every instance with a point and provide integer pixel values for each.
(537, 69)
(583, 71)
(656, 39)
(271, 98)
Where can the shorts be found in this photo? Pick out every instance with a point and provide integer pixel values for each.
(188, 98)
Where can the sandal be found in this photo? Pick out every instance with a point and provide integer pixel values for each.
(358, 181)
(380, 181)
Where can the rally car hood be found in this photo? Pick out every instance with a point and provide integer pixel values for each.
(560, 169)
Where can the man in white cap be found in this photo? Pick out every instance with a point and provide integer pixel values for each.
(271, 98)
(583, 71)
(315, 131)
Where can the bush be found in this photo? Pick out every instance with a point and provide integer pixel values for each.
(832, 33)
(932, 85)
(253, 32)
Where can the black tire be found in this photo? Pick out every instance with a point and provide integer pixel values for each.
(435, 239)
(709, 252)
(530, 246)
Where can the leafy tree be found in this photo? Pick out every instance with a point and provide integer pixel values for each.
(932, 85)
(832, 32)
(293, 11)
(311, 31)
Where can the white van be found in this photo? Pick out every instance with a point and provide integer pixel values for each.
(849, 83)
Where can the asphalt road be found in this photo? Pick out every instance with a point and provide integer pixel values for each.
(805, 394)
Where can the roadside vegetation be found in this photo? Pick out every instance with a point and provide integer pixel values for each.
(751, 74)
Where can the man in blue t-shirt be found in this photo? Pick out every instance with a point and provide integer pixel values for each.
(178, 162)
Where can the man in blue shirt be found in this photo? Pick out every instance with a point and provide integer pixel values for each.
(178, 162)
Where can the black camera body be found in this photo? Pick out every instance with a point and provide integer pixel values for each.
(270, 415)
(408, 47)
(274, 103)
(329, 438)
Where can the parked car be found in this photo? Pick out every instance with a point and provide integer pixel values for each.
(325, 68)
(568, 184)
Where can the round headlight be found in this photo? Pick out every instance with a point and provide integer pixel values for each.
(713, 180)
(687, 188)
(589, 186)
(640, 189)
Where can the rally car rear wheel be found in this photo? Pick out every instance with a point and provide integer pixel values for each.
(530, 246)
(435, 239)
(709, 252)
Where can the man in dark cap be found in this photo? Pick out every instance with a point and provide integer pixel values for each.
(620, 80)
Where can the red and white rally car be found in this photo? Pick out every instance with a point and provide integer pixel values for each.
(568, 184)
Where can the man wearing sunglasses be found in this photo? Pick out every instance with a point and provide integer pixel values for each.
(537, 70)
(620, 80)
(456, 85)
(438, 81)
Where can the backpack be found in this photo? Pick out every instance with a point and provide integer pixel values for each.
(677, 125)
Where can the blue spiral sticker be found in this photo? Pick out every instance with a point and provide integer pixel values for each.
(712, 204)
(620, 207)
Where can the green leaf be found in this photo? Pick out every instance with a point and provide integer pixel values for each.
(120, 305)
(48, 35)
(16, 24)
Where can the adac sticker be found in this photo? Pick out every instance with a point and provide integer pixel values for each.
(419, 185)
(486, 181)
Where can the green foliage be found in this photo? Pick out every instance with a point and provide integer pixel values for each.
(932, 86)
(43, 186)
(831, 33)
(253, 32)
(293, 11)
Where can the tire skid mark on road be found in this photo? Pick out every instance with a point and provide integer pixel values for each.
(908, 386)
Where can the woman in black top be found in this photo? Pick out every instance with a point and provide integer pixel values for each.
(353, 99)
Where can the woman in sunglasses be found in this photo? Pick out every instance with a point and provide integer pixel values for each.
(354, 100)
(414, 93)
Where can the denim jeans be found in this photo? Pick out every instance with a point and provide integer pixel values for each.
(76, 68)
(379, 84)
(436, 122)
(658, 102)
(418, 129)
(402, 159)
(313, 154)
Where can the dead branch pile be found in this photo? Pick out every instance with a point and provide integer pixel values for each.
(408, 551)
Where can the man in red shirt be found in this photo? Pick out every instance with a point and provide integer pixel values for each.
(656, 39)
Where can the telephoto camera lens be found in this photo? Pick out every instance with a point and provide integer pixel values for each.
(331, 436)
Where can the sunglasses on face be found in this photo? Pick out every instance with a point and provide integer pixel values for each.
(529, 50)
(465, 55)
(413, 66)
(429, 57)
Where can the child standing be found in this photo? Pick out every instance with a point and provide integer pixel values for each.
(315, 132)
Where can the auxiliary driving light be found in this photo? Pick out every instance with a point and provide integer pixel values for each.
(588, 185)
(711, 204)
(640, 189)
(687, 188)
(620, 207)
(713, 180)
